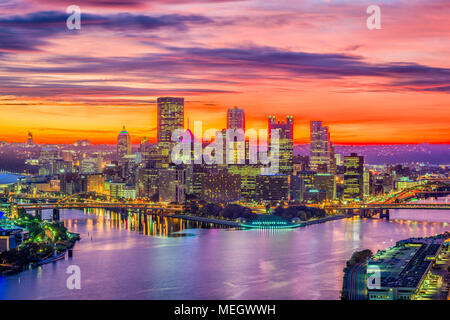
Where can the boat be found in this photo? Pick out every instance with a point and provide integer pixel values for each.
(52, 258)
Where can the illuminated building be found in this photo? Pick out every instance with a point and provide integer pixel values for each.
(321, 148)
(353, 177)
(30, 138)
(366, 182)
(295, 188)
(338, 158)
(236, 119)
(144, 149)
(300, 163)
(69, 183)
(306, 183)
(171, 185)
(272, 187)
(248, 174)
(48, 161)
(402, 269)
(326, 185)
(147, 182)
(93, 183)
(67, 155)
(91, 165)
(286, 142)
(221, 186)
(170, 118)
(116, 189)
(123, 145)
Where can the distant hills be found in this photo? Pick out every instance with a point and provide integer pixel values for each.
(391, 154)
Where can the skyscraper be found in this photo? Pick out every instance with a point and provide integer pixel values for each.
(321, 148)
(353, 177)
(236, 119)
(30, 138)
(286, 142)
(170, 118)
(123, 145)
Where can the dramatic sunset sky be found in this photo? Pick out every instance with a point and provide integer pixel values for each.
(314, 59)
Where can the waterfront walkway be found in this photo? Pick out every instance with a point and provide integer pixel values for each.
(207, 220)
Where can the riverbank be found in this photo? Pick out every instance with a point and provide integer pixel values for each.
(326, 219)
(207, 220)
(236, 224)
(31, 255)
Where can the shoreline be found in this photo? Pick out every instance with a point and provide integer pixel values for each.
(238, 224)
(15, 268)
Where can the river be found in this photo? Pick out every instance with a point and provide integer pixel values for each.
(172, 259)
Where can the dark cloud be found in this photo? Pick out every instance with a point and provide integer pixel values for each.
(29, 32)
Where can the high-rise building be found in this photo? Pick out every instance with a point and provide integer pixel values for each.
(236, 119)
(91, 165)
(171, 185)
(286, 142)
(353, 177)
(48, 161)
(221, 186)
(92, 183)
(123, 145)
(321, 148)
(30, 138)
(326, 185)
(272, 187)
(170, 118)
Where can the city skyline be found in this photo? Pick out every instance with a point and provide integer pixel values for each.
(369, 86)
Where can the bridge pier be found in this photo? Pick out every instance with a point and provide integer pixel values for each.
(384, 213)
(55, 216)
(38, 213)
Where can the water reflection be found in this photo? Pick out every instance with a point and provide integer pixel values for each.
(147, 224)
(131, 256)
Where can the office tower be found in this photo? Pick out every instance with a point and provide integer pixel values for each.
(69, 183)
(307, 185)
(147, 183)
(235, 119)
(367, 178)
(248, 174)
(48, 160)
(326, 185)
(295, 188)
(272, 187)
(338, 159)
(321, 148)
(353, 177)
(123, 145)
(221, 186)
(30, 138)
(300, 163)
(286, 142)
(116, 189)
(91, 165)
(92, 183)
(171, 185)
(170, 118)
(67, 155)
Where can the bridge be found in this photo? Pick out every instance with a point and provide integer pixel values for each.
(103, 205)
(429, 189)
